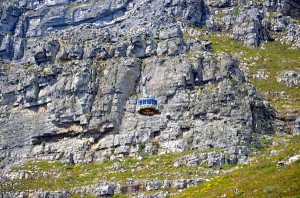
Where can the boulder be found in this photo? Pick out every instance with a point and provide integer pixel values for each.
(105, 189)
(289, 78)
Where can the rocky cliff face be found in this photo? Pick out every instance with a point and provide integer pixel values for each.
(72, 71)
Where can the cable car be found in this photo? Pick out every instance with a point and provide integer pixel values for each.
(147, 106)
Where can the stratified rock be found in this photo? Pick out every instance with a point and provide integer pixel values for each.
(105, 190)
(179, 184)
(249, 29)
(296, 131)
(39, 193)
(156, 185)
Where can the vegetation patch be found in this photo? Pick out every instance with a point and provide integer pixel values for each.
(260, 178)
(56, 175)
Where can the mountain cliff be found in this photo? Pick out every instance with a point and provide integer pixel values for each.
(72, 71)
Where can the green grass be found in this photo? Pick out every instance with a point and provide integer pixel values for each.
(120, 196)
(261, 178)
(71, 176)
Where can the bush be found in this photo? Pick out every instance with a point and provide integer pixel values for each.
(269, 189)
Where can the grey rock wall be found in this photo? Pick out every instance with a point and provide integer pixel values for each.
(72, 72)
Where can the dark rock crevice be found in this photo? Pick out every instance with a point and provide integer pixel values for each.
(291, 8)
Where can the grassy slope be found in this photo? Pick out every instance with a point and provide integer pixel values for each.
(260, 178)
(272, 58)
(69, 176)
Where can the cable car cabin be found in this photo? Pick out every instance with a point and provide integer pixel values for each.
(147, 106)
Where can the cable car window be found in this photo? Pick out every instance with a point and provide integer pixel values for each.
(152, 101)
(140, 102)
(148, 101)
(144, 102)
(155, 102)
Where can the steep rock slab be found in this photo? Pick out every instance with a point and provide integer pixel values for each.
(72, 97)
